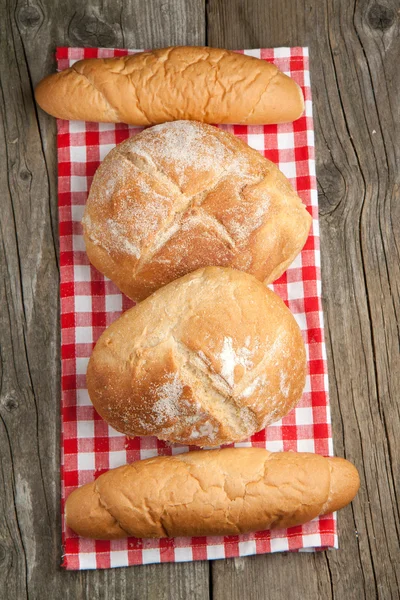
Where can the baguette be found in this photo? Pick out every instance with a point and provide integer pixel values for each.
(185, 195)
(211, 492)
(209, 359)
(198, 83)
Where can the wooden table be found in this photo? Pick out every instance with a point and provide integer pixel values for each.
(354, 48)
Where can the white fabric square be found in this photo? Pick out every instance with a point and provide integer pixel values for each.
(76, 127)
(306, 445)
(119, 558)
(82, 272)
(279, 544)
(77, 211)
(307, 387)
(82, 398)
(87, 560)
(179, 449)
(301, 321)
(283, 52)
(285, 140)
(317, 260)
(117, 458)
(78, 183)
(86, 461)
(247, 444)
(312, 539)
(326, 387)
(79, 153)
(295, 291)
(148, 453)
(216, 551)
(85, 429)
(296, 264)
(83, 304)
(256, 141)
(289, 169)
(114, 433)
(312, 169)
(308, 108)
(316, 228)
(255, 52)
(304, 415)
(81, 365)
(246, 548)
(78, 243)
(105, 149)
(113, 303)
(275, 445)
(150, 555)
(183, 554)
(84, 335)
(106, 127)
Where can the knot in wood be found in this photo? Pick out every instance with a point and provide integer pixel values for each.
(3, 554)
(90, 30)
(29, 16)
(10, 402)
(381, 17)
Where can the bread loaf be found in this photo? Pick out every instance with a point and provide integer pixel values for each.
(204, 84)
(208, 359)
(212, 492)
(185, 195)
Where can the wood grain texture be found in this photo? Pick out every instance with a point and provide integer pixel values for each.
(354, 47)
(30, 538)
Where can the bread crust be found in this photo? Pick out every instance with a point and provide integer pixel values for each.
(210, 358)
(185, 195)
(212, 492)
(197, 83)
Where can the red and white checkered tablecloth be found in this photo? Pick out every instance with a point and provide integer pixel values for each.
(90, 302)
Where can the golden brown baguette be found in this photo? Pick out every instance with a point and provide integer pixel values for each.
(185, 195)
(204, 84)
(211, 492)
(209, 359)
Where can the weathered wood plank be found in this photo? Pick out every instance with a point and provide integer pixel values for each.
(30, 541)
(353, 47)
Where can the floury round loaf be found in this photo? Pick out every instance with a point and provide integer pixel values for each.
(208, 359)
(185, 195)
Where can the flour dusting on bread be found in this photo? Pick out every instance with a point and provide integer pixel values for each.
(167, 406)
(185, 146)
(231, 358)
(183, 195)
(225, 359)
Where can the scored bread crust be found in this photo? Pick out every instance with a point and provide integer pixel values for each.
(210, 358)
(217, 492)
(198, 83)
(185, 195)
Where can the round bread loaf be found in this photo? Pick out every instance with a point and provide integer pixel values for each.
(211, 358)
(185, 195)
